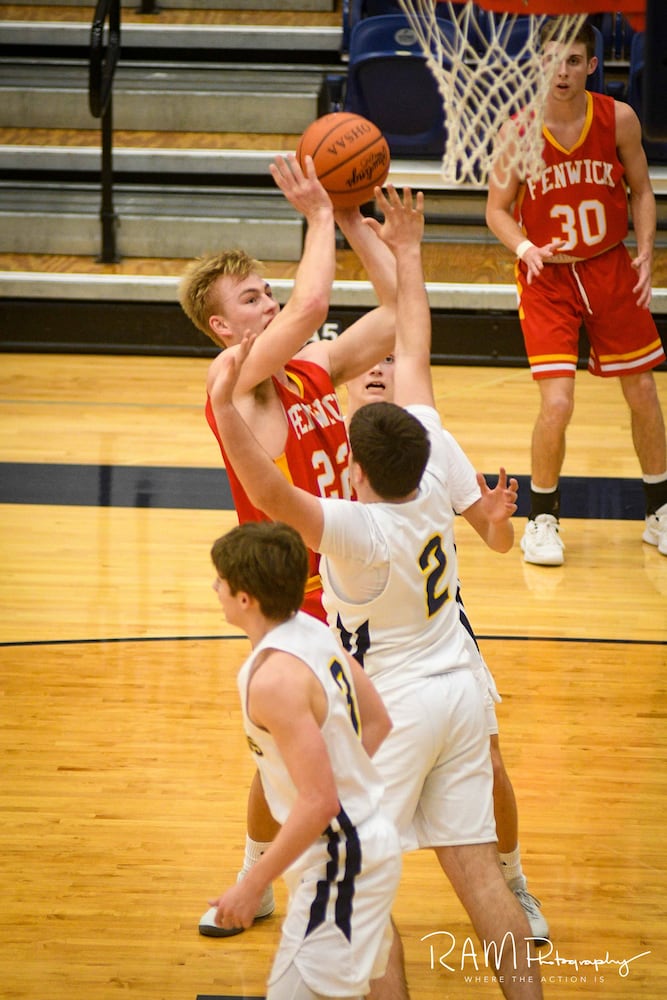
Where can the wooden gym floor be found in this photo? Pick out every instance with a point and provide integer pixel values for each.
(125, 771)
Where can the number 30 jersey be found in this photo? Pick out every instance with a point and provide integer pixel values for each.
(581, 197)
(315, 456)
(390, 572)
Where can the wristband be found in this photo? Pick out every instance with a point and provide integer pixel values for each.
(523, 246)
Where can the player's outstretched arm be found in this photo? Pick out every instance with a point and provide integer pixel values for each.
(402, 231)
(371, 338)
(375, 256)
(317, 267)
(265, 485)
(308, 305)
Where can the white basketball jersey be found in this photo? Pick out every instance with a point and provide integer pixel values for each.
(417, 608)
(360, 788)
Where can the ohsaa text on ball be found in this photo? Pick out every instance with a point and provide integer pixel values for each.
(342, 143)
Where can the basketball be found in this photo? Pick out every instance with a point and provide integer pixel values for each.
(350, 154)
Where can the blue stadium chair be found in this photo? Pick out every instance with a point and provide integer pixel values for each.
(390, 83)
(357, 10)
(616, 35)
(596, 79)
(656, 152)
(616, 40)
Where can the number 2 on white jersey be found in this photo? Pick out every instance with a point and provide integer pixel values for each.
(433, 564)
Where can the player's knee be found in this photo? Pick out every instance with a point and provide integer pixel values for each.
(641, 392)
(557, 410)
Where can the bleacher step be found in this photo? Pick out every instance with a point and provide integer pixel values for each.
(219, 167)
(251, 39)
(159, 222)
(175, 202)
(178, 98)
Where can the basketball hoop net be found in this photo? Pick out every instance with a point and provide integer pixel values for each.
(489, 68)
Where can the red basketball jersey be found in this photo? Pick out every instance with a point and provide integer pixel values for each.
(315, 456)
(581, 197)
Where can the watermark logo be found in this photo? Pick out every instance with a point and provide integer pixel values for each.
(481, 962)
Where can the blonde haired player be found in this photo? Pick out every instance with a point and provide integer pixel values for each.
(287, 389)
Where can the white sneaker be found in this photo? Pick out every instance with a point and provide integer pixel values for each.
(539, 928)
(655, 530)
(541, 543)
(209, 928)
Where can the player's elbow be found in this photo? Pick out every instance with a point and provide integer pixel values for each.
(387, 326)
(315, 308)
(260, 493)
(375, 732)
(490, 218)
(387, 727)
(502, 541)
(325, 806)
(383, 727)
(506, 547)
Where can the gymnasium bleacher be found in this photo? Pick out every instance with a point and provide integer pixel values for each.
(204, 95)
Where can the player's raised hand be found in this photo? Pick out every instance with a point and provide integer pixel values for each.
(403, 217)
(500, 502)
(301, 187)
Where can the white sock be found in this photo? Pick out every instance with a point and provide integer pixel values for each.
(511, 864)
(648, 478)
(253, 852)
(543, 489)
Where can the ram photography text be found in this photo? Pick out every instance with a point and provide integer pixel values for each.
(478, 962)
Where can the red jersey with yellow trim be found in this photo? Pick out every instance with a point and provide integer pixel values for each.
(581, 197)
(315, 456)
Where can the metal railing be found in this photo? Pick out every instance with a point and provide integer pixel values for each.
(103, 62)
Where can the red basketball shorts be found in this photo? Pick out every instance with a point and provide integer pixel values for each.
(597, 293)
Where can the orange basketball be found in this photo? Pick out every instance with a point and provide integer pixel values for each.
(350, 154)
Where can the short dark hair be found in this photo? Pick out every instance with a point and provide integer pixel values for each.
(392, 448)
(267, 560)
(585, 35)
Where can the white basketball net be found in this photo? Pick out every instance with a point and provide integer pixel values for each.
(482, 86)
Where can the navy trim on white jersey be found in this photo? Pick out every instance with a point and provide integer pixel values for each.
(345, 834)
